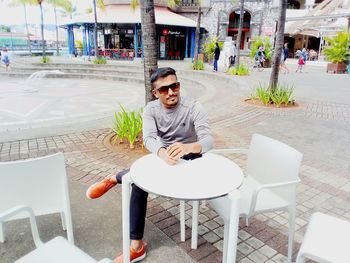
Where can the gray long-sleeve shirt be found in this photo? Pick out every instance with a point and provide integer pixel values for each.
(186, 123)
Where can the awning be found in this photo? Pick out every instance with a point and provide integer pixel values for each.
(321, 26)
(124, 14)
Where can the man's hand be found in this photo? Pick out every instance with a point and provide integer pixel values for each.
(162, 153)
(176, 150)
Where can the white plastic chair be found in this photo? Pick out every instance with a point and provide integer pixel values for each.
(57, 250)
(270, 184)
(327, 240)
(39, 183)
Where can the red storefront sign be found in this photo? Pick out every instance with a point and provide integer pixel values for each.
(165, 31)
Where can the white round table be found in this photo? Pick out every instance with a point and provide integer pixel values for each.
(208, 177)
(204, 178)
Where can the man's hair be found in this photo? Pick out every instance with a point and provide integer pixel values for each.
(162, 73)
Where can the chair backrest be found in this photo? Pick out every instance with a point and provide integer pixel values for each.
(272, 162)
(39, 183)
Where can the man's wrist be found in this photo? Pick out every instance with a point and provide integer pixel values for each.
(161, 151)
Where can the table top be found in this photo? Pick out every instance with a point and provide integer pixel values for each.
(210, 176)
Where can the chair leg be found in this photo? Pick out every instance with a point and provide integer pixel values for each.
(182, 220)
(126, 216)
(247, 221)
(226, 236)
(63, 220)
(195, 205)
(233, 228)
(291, 232)
(300, 258)
(2, 235)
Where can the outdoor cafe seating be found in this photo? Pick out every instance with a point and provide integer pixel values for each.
(46, 177)
(269, 184)
(118, 54)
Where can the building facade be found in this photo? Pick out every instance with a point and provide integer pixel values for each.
(119, 28)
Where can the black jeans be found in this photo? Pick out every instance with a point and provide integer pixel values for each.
(138, 203)
(138, 207)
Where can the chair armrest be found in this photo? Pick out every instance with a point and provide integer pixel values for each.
(22, 208)
(259, 188)
(230, 150)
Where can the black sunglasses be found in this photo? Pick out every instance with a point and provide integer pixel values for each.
(165, 89)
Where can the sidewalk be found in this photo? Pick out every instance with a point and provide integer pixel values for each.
(319, 127)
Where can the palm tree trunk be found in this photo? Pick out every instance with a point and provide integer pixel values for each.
(42, 28)
(279, 45)
(57, 48)
(239, 37)
(27, 29)
(149, 39)
(95, 29)
(198, 29)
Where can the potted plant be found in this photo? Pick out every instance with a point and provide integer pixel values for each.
(337, 52)
(265, 42)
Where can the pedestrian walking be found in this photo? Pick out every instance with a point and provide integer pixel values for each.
(284, 56)
(216, 56)
(5, 58)
(232, 57)
(301, 64)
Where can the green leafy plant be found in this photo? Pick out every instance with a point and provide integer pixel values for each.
(128, 124)
(119, 128)
(263, 94)
(261, 41)
(209, 48)
(45, 60)
(242, 70)
(282, 94)
(337, 50)
(78, 44)
(99, 60)
(198, 65)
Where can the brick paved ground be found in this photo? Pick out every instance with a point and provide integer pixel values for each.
(318, 128)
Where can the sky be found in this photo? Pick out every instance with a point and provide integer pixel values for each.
(15, 15)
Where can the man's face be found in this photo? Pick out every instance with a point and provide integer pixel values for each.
(167, 90)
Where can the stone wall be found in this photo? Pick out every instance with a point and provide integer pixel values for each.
(262, 17)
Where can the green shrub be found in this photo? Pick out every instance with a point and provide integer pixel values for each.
(337, 50)
(45, 60)
(198, 65)
(261, 41)
(209, 48)
(128, 124)
(99, 60)
(263, 95)
(282, 94)
(78, 44)
(242, 70)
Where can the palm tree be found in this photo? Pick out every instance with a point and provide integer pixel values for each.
(24, 4)
(66, 5)
(40, 2)
(279, 45)
(198, 29)
(150, 54)
(239, 37)
(101, 5)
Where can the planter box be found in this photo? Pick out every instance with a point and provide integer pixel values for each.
(336, 68)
